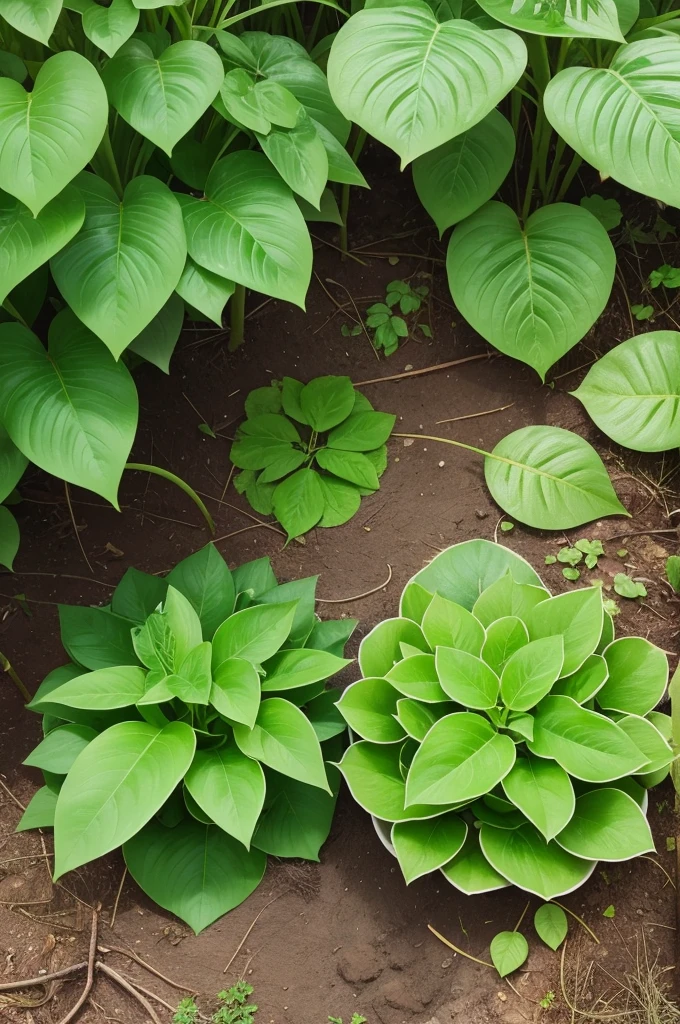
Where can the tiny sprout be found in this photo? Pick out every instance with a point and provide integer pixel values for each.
(547, 1000)
(550, 559)
(610, 911)
(506, 526)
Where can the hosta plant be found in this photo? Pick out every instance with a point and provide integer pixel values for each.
(192, 727)
(578, 83)
(503, 735)
(307, 453)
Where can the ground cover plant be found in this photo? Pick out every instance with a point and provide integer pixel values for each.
(192, 727)
(579, 84)
(503, 735)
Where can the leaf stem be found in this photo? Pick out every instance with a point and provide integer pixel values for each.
(237, 310)
(183, 486)
(106, 164)
(462, 952)
(6, 666)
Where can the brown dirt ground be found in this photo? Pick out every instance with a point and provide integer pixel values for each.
(345, 935)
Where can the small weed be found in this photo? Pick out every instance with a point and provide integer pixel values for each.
(625, 586)
(356, 1019)
(641, 312)
(666, 275)
(547, 1000)
(610, 911)
(186, 1012)
(385, 320)
(506, 527)
(584, 550)
(234, 1007)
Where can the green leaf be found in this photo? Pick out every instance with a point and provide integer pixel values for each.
(466, 678)
(195, 871)
(40, 810)
(673, 572)
(57, 752)
(424, 846)
(507, 597)
(470, 871)
(288, 670)
(183, 622)
(543, 792)
(12, 66)
(235, 692)
(328, 213)
(416, 676)
(95, 638)
(162, 98)
(362, 432)
(596, 19)
(326, 401)
(527, 861)
(299, 155)
(137, 595)
(607, 211)
(299, 502)
(141, 238)
(577, 617)
(303, 592)
(417, 719)
(270, 426)
(633, 392)
(291, 390)
(254, 578)
(551, 925)
(341, 501)
(414, 602)
(508, 951)
(447, 624)
(204, 578)
(462, 757)
(193, 680)
(402, 76)
(341, 166)
(331, 635)
(48, 135)
(230, 788)
(379, 651)
(249, 228)
(297, 818)
(283, 739)
(9, 538)
(646, 735)
(110, 27)
(12, 464)
(638, 676)
(374, 778)
(530, 673)
(504, 637)
(583, 684)
(598, 111)
(531, 292)
(27, 242)
(156, 343)
(369, 707)
(33, 18)
(323, 713)
(121, 779)
(587, 745)
(102, 689)
(352, 466)
(607, 825)
(254, 634)
(205, 291)
(454, 180)
(261, 401)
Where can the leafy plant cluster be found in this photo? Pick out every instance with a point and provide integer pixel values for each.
(509, 950)
(578, 83)
(503, 735)
(192, 727)
(388, 320)
(233, 1008)
(308, 453)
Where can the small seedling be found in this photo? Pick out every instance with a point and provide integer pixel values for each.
(571, 574)
(506, 527)
(570, 556)
(356, 1019)
(673, 572)
(666, 275)
(383, 317)
(388, 327)
(186, 1012)
(670, 844)
(607, 211)
(547, 1000)
(550, 559)
(641, 312)
(625, 586)
(611, 606)
(622, 552)
(592, 549)
(235, 1008)
(662, 806)
(206, 429)
(610, 911)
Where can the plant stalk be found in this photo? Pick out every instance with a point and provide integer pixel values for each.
(183, 486)
(359, 144)
(105, 164)
(6, 666)
(237, 310)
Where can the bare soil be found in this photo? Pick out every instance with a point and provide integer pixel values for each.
(345, 935)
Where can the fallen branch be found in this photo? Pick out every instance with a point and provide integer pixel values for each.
(13, 986)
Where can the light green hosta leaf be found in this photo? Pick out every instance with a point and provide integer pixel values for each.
(299, 155)
(583, 684)
(249, 229)
(543, 792)
(33, 18)
(322, 712)
(283, 739)
(467, 679)
(507, 597)
(124, 264)
(576, 617)
(417, 719)
(57, 752)
(40, 810)
(638, 675)
(26, 242)
(531, 292)
(254, 633)
(205, 580)
(508, 951)
(504, 818)
(525, 859)
(205, 291)
(457, 178)
(163, 98)
(229, 787)
(424, 846)
(117, 784)
(195, 871)
(414, 602)
(551, 925)
(530, 673)
(235, 692)
(49, 135)
(415, 83)
(646, 735)
(607, 825)
(192, 682)
(183, 622)
(587, 745)
(9, 538)
(369, 707)
(504, 637)
(592, 19)
(470, 871)
(633, 392)
(598, 111)
(71, 409)
(373, 774)
(416, 676)
(380, 651)
(297, 818)
(463, 757)
(102, 689)
(110, 27)
(446, 624)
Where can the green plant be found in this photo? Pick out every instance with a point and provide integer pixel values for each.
(234, 1007)
(625, 586)
(547, 1000)
(531, 277)
(314, 471)
(191, 727)
(356, 1019)
(673, 572)
(389, 328)
(503, 736)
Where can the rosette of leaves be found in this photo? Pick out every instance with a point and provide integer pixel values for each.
(309, 452)
(503, 735)
(192, 727)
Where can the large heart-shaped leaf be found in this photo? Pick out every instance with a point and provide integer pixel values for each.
(230, 788)
(110, 27)
(550, 478)
(454, 180)
(638, 676)
(121, 779)
(633, 392)
(531, 292)
(414, 82)
(607, 825)
(124, 264)
(26, 242)
(585, 19)
(470, 871)
(48, 135)
(33, 18)
(163, 98)
(204, 579)
(464, 571)
(576, 618)
(71, 409)
(369, 707)
(249, 228)
(602, 112)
